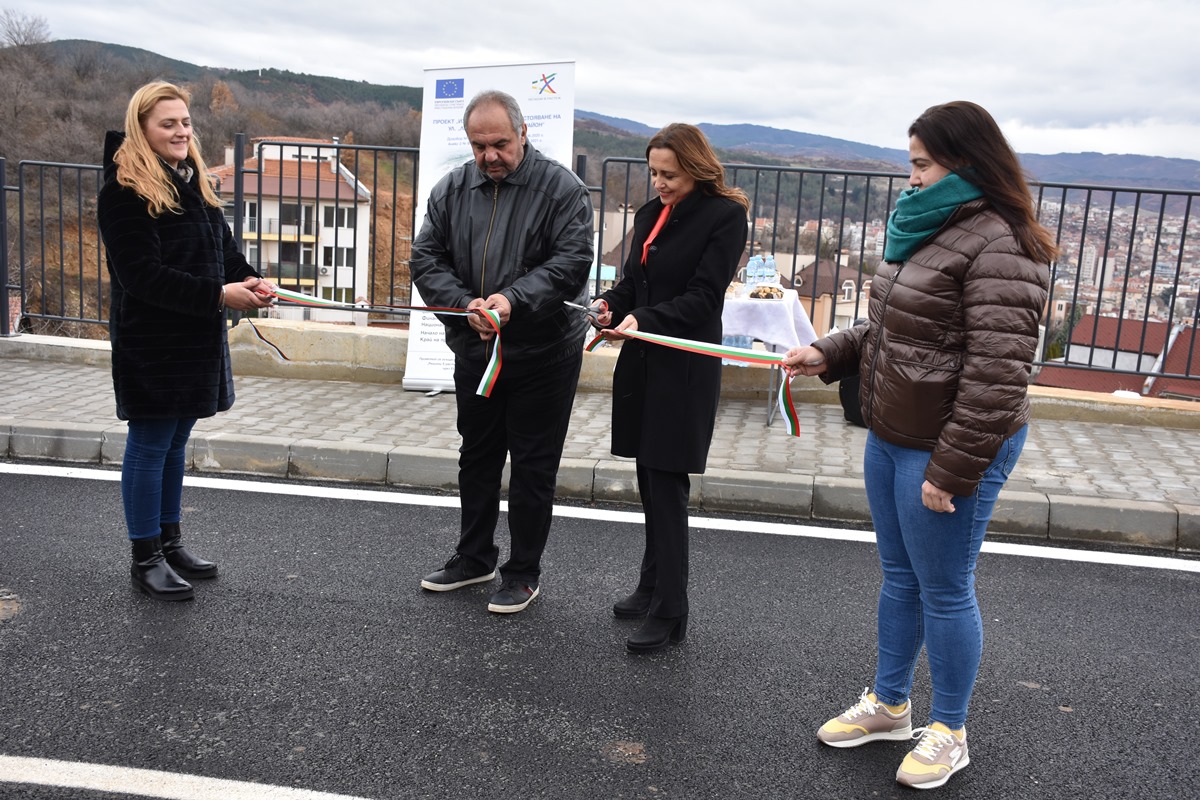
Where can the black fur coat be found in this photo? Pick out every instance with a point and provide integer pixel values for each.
(170, 354)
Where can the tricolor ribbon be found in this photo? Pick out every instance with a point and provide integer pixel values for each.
(783, 400)
(491, 372)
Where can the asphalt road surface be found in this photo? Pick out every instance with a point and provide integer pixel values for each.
(315, 666)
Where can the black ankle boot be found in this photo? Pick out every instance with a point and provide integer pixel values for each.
(656, 633)
(635, 606)
(180, 559)
(153, 575)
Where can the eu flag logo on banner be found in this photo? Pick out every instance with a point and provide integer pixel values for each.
(449, 88)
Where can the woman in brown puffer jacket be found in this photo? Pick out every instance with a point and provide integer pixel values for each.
(944, 365)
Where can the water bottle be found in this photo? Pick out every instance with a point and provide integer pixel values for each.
(753, 272)
(771, 274)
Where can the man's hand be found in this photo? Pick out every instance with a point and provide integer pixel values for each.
(499, 303)
(478, 323)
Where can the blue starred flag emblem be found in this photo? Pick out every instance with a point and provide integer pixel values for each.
(449, 88)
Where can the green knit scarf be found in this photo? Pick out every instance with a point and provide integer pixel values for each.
(919, 213)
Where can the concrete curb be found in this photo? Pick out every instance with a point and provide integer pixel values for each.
(1058, 518)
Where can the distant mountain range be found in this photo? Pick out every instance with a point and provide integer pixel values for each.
(744, 140)
(1132, 171)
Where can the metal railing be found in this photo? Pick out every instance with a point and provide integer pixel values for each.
(328, 186)
(1129, 271)
(1127, 278)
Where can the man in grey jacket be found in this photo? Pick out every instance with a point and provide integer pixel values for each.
(510, 231)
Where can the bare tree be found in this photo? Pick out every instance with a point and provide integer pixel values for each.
(18, 30)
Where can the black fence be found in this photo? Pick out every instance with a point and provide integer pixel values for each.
(336, 220)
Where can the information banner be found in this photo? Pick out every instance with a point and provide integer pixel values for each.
(546, 94)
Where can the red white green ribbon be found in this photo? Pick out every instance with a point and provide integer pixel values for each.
(783, 400)
(491, 372)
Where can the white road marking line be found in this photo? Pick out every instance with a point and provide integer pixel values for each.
(146, 782)
(631, 517)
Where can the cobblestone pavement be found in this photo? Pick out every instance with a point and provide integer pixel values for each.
(1081, 459)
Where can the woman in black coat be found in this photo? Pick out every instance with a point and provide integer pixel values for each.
(686, 247)
(174, 269)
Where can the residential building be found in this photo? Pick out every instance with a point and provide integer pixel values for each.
(305, 221)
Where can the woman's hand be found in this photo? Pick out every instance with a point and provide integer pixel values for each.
(936, 499)
(805, 360)
(603, 317)
(249, 295)
(628, 325)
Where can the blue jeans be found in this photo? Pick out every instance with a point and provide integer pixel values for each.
(152, 473)
(928, 559)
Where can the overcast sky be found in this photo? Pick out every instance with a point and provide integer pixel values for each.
(1113, 76)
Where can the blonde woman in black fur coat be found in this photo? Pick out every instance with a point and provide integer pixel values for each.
(175, 268)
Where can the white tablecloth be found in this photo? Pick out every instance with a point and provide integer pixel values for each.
(782, 323)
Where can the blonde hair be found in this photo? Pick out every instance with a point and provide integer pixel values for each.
(140, 168)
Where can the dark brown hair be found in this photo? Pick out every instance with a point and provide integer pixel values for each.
(964, 137)
(697, 159)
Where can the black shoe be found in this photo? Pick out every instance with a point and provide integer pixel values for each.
(456, 574)
(152, 574)
(635, 606)
(180, 559)
(513, 596)
(656, 633)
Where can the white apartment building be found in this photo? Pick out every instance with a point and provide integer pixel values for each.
(306, 221)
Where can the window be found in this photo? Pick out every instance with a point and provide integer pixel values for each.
(341, 295)
(339, 217)
(296, 215)
(847, 290)
(338, 257)
(251, 217)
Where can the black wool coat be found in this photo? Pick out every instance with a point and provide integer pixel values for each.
(665, 400)
(170, 354)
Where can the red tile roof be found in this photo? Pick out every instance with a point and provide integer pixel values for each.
(1183, 358)
(1107, 329)
(293, 178)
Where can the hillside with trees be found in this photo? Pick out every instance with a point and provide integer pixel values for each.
(57, 97)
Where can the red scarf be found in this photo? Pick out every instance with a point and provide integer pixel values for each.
(662, 219)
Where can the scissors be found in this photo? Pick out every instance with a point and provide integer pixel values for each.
(591, 313)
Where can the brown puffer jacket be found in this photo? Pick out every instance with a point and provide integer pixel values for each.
(945, 359)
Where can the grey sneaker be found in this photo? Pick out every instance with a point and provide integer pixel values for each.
(456, 574)
(868, 720)
(938, 755)
(513, 596)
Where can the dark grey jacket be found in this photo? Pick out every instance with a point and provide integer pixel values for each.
(528, 237)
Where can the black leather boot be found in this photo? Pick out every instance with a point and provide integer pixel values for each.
(656, 633)
(635, 606)
(180, 559)
(153, 575)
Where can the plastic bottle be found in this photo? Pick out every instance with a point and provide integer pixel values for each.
(771, 274)
(753, 272)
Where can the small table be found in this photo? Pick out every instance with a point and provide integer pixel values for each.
(780, 324)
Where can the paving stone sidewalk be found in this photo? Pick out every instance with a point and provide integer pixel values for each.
(1121, 468)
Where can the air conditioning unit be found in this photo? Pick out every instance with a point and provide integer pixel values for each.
(324, 270)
